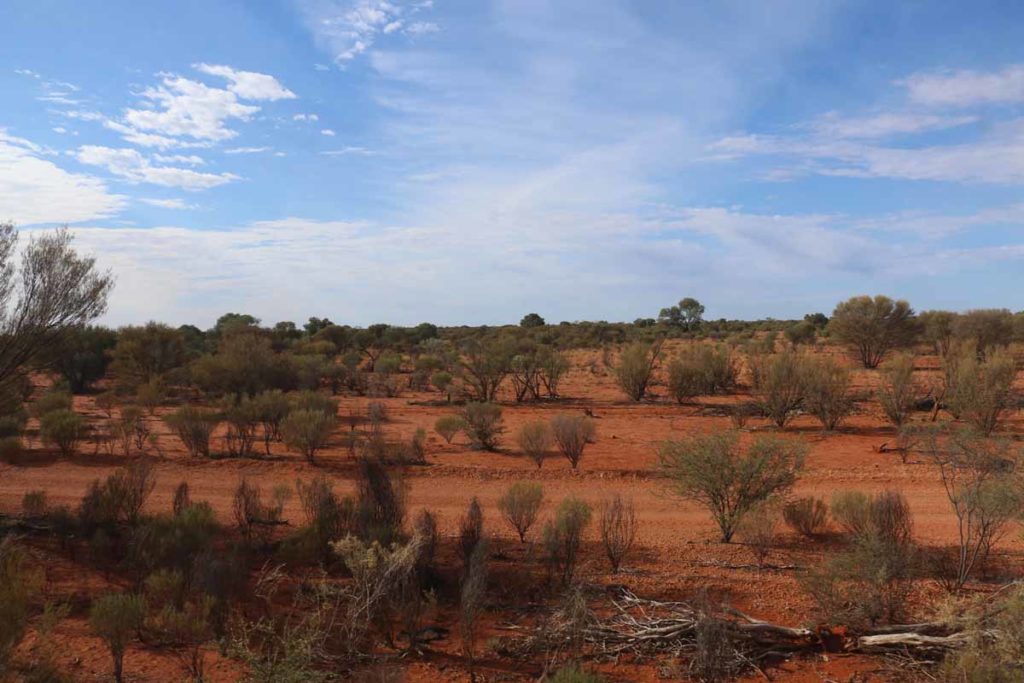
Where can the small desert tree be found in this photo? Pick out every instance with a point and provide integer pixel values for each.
(116, 618)
(635, 369)
(715, 471)
(194, 426)
(572, 433)
(448, 426)
(897, 389)
(484, 424)
(618, 529)
(872, 327)
(520, 505)
(64, 429)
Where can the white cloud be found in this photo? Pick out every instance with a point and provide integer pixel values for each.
(132, 166)
(246, 150)
(886, 124)
(305, 117)
(344, 151)
(177, 204)
(35, 190)
(328, 132)
(190, 159)
(348, 28)
(249, 85)
(967, 88)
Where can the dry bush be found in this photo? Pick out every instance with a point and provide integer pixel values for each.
(471, 532)
(150, 395)
(380, 502)
(572, 673)
(271, 408)
(984, 491)
(131, 487)
(852, 512)
(63, 429)
(779, 388)
(425, 527)
(618, 529)
(869, 582)
(535, 439)
(757, 531)
(34, 504)
(182, 499)
(472, 597)
(572, 433)
(827, 392)
(253, 517)
(484, 425)
(807, 516)
(308, 430)
(242, 418)
(194, 426)
(898, 390)
(872, 327)
(563, 536)
(16, 589)
(51, 401)
(981, 390)
(116, 618)
(635, 369)
(327, 516)
(520, 505)
(448, 426)
(701, 370)
(714, 471)
(740, 413)
(994, 651)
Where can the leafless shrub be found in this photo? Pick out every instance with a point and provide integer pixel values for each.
(182, 499)
(535, 439)
(520, 506)
(807, 516)
(572, 433)
(618, 529)
(253, 517)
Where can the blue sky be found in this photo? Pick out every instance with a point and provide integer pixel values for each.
(470, 161)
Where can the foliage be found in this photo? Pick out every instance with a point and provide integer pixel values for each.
(687, 314)
(146, 353)
(981, 389)
(872, 327)
(380, 502)
(471, 533)
(307, 431)
(116, 619)
(535, 439)
(448, 426)
(827, 392)
(635, 368)
(701, 370)
(17, 585)
(194, 426)
(63, 429)
(82, 356)
(780, 386)
(714, 471)
(898, 391)
(757, 531)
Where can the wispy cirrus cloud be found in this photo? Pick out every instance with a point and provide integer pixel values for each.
(965, 88)
(348, 28)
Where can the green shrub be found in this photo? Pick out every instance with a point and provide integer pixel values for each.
(448, 426)
(574, 674)
(520, 505)
(872, 327)
(34, 504)
(242, 418)
(700, 370)
(49, 402)
(982, 389)
(16, 582)
(194, 426)
(116, 618)
(780, 385)
(314, 400)
(484, 424)
(271, 408)
(635, 368)
(307, 430)
(898, 390)
(63, 429)
(827, 392)
(715, 472)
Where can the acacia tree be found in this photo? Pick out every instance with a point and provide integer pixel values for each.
(716, 472)
(687, 314)
(872, 327)
(45, 291)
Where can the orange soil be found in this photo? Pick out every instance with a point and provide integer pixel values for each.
(678, 547)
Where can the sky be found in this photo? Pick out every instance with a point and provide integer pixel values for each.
(469, 161)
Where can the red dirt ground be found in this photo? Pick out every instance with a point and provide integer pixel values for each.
(678, 549)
